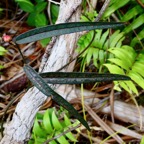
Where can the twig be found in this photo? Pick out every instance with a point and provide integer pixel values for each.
(54, 2)
(140, 3)
(49, 12)
(19, 24)
(112, 104)
(103, 124)
(103, 9)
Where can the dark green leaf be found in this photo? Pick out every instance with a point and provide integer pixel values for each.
(39, 83)
(59, 29)
(79, 77)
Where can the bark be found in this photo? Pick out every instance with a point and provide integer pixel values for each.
(18, 130)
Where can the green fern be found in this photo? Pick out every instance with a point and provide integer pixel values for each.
(130, 63)
(113, 6)
(123, 59)
(97, 43)
(99, 46)
(135, 14)
(47, 126)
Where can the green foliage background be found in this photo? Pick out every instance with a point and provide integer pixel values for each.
(120, 51)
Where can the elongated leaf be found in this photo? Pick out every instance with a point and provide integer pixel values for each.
(39, 83)
(131, 13)
(123, 55)
(112, 41)
(67, 120)
(47, 122)
(116, 39)
(114, 6)
(55, 121)
(132, 87)
(61, 139)
(114, 69)
(79, 77)
(137, 67)
(137, 78)
(119, 62)
(65, 28)
(38, 130)
(125, 86)
(135, 24)
(103, 39)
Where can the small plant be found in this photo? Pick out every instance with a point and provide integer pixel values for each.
(50, 125)
(36, 16)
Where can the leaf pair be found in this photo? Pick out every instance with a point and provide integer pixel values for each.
(38, 82)
(55, 30)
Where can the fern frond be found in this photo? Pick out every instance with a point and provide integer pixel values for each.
(48, 126)
(135, 14)
(114, 5)
(132, 13)
(135, 24)
(126, 61)
(98, 49)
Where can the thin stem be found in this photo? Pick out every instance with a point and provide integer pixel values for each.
(103, 9)
(23, 59)
(140, 3)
